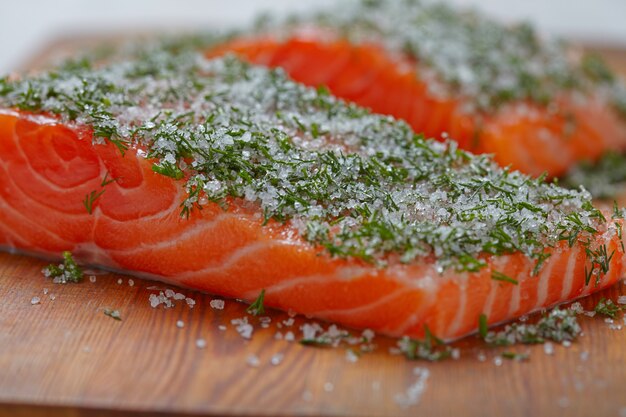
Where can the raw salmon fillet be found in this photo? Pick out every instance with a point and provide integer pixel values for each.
(232, 179)
(495, 89)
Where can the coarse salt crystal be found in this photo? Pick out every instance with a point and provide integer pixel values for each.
(621, 299)
(169, 293)
(277, 359)
(351, 356)
(35, 300)
(415, 391)
(548, 348)
(253, 361)
(131, 283)
(45, 291)
(190, 302)
(200, 343)
(497, 360)
(217, 304)
(307, 396)
(179, 296)
(289, 337)
(180, 324)
(119, 281)
(222, 327)
(92, 279)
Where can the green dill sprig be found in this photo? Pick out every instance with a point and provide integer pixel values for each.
(90, 199)
(499, 276)
(607, 307)
(68, 271)
(257, 308)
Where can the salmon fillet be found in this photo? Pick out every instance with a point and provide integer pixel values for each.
(232, 179)
(493, 88)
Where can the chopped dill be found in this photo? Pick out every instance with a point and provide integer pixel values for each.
(237, 134)
(68, 271)
(558, 325)
(483, 326)
(431, 348)
(519, 357)
(499, 276)
(257, 308)
(604, 179)
(90, 199)
(114, 314)
(607, 308)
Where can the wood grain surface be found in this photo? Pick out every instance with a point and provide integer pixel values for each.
(65, 357)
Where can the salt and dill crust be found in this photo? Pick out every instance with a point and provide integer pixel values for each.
(357, 184)
(465, 53)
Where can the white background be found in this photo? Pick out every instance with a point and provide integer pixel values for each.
(27, 25)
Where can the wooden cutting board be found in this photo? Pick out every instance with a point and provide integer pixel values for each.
(65, 357)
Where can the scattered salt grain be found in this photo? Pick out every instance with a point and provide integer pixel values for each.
(414, 393)
(200, 343)
(154, 301)
(497, 360)
(548, 348)
(35, 300)
(455, 354)
(45, 291)
(131, 283)
(289, 337)
(584, 356)
(566, 343)
(222, 327)
(242, 326)
(119, 281)
(265, 322)
(92, 279)
(277, 359)
(53, 297)
(577, 308)
(621, 299)
(190, 302)
(253, 361)
(481, 357)
(180, 324)
(278, 336)
(368, 335)
(217, 304)
(563, 402)
(289, 322)
(329, 387)
(351, 356)
(307, 396)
